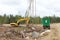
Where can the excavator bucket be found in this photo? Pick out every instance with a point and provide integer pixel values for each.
(14, 24)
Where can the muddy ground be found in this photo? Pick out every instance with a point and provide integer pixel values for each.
(13, 33)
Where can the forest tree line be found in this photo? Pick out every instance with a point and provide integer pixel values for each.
(36, 20)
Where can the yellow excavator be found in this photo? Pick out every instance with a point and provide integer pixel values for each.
(20, 20)
(27, 15)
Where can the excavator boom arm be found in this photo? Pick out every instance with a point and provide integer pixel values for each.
(26, 19)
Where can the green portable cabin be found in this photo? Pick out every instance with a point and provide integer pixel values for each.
(46, 22)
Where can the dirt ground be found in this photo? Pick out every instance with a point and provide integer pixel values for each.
(13, 33)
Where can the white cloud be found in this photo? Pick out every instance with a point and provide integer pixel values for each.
(43, 7)
(48, 7)
(12, 6)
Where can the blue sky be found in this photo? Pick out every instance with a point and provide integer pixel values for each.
(18, 7)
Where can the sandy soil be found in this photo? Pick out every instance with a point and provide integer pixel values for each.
(6, 35)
